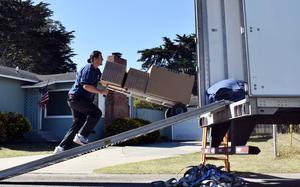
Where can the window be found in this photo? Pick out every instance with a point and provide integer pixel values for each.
(58, 107)
(57, 104)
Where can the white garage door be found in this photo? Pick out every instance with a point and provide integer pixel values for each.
(188, 130)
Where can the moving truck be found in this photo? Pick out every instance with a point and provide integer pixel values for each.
(257, 41)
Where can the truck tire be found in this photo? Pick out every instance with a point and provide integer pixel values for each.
(179, 108)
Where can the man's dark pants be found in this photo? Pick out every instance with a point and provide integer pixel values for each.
(85, 117)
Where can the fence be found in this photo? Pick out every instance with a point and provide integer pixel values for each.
(267, 129)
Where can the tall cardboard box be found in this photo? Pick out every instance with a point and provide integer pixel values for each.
(136, 81)
(113, 74)
(169, 85)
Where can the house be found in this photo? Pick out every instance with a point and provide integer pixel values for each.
(20, 93)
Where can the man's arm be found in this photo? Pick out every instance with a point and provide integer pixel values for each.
(93, 89)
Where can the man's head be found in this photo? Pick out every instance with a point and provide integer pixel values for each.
(96, 58)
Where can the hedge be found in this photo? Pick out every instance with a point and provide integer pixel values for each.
(13, 126)
(124, 124)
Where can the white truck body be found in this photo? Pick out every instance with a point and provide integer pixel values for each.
(273, 47)
(253, 40)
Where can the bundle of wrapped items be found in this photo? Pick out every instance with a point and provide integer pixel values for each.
(157, 82)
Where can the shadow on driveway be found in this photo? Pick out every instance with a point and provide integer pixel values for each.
(251, 179)
(258, 179)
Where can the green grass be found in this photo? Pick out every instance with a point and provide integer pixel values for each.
(287, 161)
(25, 149)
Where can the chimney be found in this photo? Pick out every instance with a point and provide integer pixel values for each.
(118, 54)
(116, 58)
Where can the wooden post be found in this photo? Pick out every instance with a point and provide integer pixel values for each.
(226, 159)
(291, 132)
(275, 139)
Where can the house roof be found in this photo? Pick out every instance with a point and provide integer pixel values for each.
(53, 79)
(12, 73)
(38, 80)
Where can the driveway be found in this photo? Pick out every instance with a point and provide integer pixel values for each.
(79, 171)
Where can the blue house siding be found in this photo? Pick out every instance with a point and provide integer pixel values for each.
(32, 113)
(11, 96)
(23, 101)
(31, 108)
(23, 97)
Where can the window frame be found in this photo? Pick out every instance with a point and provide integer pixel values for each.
(70, 116)
(46, 116)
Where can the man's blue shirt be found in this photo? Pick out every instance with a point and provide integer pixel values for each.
(87, 75)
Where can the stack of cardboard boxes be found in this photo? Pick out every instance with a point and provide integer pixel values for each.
(158, 82)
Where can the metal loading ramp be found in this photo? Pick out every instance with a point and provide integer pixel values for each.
(109, 141)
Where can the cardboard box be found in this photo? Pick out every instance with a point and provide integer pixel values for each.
(169, 85)
(136, 80)
(113, 74)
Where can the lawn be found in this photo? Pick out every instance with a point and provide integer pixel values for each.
(287, 161)
(25, 149)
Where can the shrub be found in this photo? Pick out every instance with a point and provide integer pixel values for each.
(148, 138)
(124, 124)
(144, 104)
(13, 126)
(121, 125)
(2, 131)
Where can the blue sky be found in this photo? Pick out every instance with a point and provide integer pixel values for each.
(125, 26)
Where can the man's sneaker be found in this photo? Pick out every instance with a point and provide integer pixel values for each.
(58, 149)
(81, 140)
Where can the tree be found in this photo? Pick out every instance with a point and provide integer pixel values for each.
(31, 40)
(178, 55)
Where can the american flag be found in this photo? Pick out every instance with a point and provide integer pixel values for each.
(45, 97)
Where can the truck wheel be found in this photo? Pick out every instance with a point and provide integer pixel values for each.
(179, 108)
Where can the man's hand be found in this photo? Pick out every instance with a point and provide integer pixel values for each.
(93, 89)
(104, 92)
